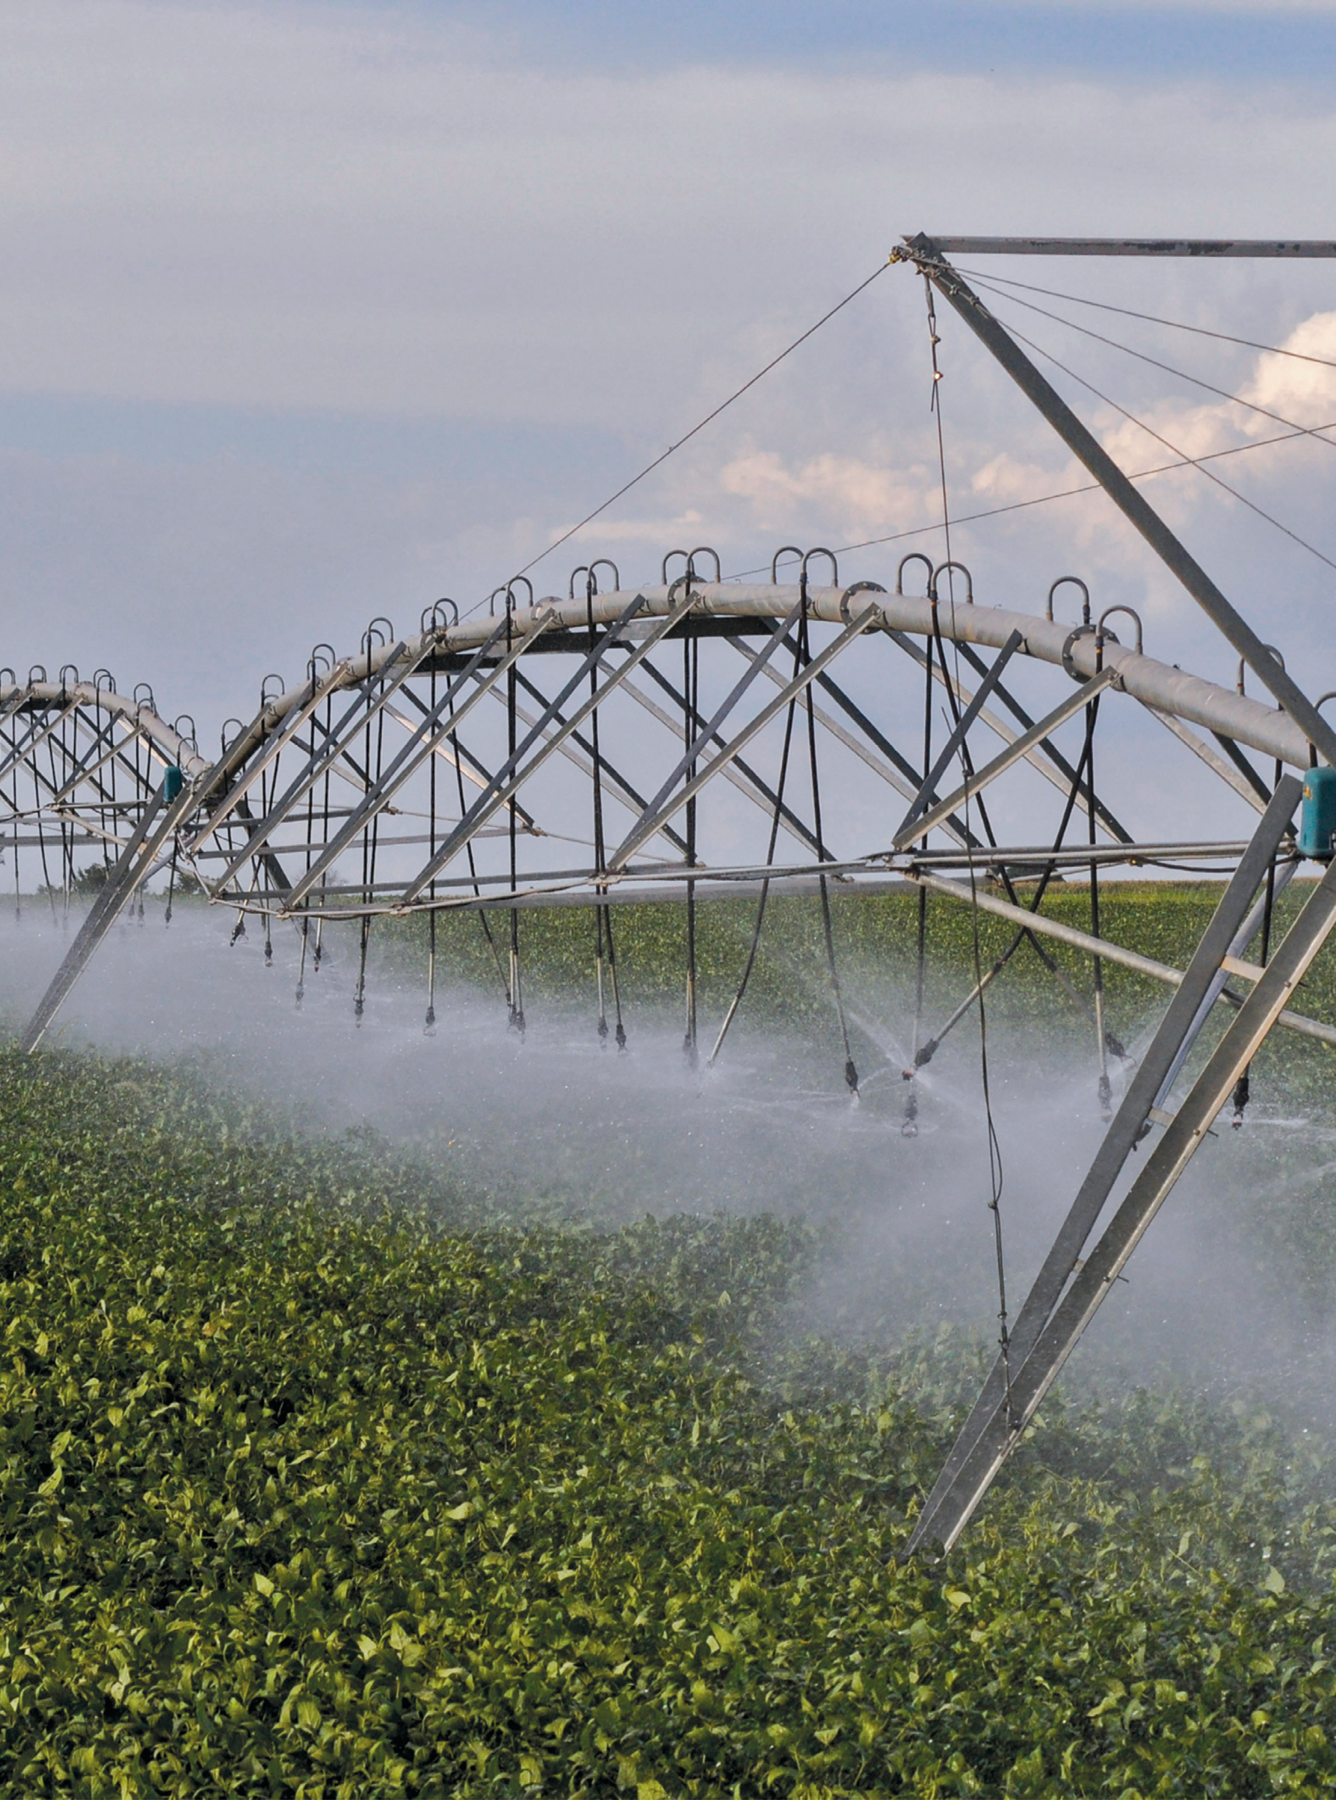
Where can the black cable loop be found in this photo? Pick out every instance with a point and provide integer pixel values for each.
(429, 1021)
(1105, 1090)
(804, 647)
(1243, 1086)
(516, 1018)
(690, 713)
(775, 818)
(602, 914)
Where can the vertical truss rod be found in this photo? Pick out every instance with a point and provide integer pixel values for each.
(989, 1431)
(1135, 507)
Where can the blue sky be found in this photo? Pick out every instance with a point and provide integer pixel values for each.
(1245, 42)
(316, 311)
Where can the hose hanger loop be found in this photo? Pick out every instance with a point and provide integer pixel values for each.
(69, 677)
(605, 562)
(186, 737)
(1102, 636)
(945, 569)
(102, 678)
(266, 698)
(38, 673)
(228, 739)
(705, 550)
(512, 604)
(433, 619)
(859, 587)
(915, 556)
(1074, 581)
(784, 550)
(319, 662)
(142, 687)
(663, 566)
(14, 680)
(829, 555)
(374, 632)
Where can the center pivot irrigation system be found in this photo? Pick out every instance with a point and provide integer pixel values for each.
(565, 751)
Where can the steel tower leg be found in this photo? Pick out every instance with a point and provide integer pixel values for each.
(154, 828)
(1051, 1320)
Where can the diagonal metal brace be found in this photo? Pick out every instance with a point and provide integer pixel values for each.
(923, 799)
(993, 1424)
(1135, 507)
(1014, 752)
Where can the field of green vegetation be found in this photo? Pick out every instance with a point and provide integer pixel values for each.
(321, 1476)
(875, 939)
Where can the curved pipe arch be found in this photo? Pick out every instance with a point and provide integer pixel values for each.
(1189, 697)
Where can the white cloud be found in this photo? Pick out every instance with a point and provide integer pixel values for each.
(360, 209)
(1280, 391)
(365, 211)
(856, 495)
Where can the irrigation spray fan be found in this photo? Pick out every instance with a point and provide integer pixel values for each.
(646, 734)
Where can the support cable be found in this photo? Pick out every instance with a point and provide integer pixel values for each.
(709, 418)
(1128, 312)
(909, 1126)
(1105, 1090)
(995, 1170)
(1168, 368)
(926, 1050)
(429, 1021)
(1150, 431)
(602, 912)
(1243, 1086)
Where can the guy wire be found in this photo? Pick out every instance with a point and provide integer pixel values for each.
(995, 1172)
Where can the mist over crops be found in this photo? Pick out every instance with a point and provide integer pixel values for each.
(1225, 1290)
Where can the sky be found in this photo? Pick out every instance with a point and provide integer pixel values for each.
(310, 313)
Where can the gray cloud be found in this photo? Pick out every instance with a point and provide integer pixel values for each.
(300, 221)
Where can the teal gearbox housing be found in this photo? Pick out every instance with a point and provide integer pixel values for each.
(174, 781)
(1317, 818)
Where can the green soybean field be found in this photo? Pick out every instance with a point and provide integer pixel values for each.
(325, 1472)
